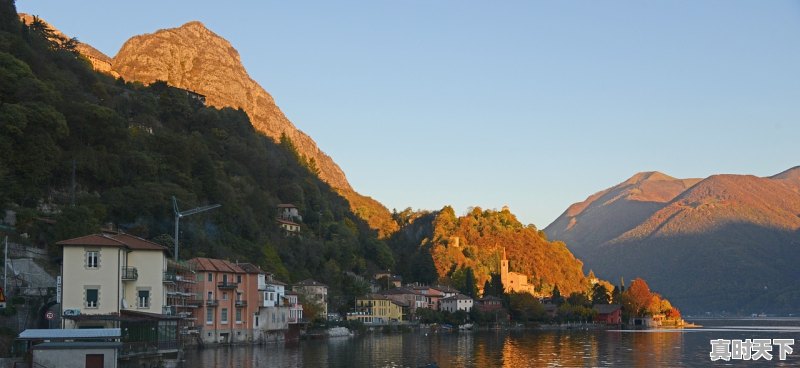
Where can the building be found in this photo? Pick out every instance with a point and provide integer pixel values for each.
(608, 313)
(314, 292)
(289, 227)
(226, 289)
(489, 303)
(376, 309)
(432, 296)
(289, 212)
(514, 282)
(295, 308)
(73, 348)
(446, 291)
(456, 303)
(104, 274)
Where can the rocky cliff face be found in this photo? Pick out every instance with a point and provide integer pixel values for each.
(194, 58)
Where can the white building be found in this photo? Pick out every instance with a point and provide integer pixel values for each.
(456, 303)
(103, 274)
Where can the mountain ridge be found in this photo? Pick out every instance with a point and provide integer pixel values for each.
(194, 58)
(709, 230)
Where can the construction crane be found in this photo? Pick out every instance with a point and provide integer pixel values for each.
(179, 215)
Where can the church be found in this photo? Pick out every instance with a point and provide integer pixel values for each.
(514, 281)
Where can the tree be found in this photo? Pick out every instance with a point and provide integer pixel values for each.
(524, 307)
(640, 296)
(557, 299)
(470, 288)
(600, 294)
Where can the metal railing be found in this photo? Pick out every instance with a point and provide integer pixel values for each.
(227, 285)
(212, 302)
(241, 303)
(130, 274)
(170, 277)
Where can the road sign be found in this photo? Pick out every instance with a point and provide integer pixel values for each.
(49, 315)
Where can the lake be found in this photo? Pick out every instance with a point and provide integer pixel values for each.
(518, 348)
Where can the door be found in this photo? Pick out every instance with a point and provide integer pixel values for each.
(94, 361)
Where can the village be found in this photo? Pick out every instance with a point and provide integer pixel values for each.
(121, 301)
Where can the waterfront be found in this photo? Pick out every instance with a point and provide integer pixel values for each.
(524, 348)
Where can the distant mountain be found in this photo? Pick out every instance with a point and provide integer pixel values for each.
(727, 242)
(194, 58)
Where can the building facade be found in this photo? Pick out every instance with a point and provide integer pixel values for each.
(375, 309)
(458, 302)
(104, 274)
(225, 311)
(315, 292)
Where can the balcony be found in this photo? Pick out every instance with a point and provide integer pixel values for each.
(170, 277)
(129, 274)
(194, 302)
(241, 303)
(227, 285)
(212, 302)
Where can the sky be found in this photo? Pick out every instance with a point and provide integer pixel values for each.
(531, 104)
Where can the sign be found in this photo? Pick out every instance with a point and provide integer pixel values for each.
(72, 312)
(49, 315)
(58, 289)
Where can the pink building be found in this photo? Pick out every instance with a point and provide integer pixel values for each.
(227, 292)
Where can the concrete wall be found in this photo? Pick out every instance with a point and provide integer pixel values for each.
(72, 358)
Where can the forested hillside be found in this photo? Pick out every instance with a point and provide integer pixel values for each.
(442, 245)
(81, 150)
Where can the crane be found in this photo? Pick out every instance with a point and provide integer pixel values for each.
(179, 215)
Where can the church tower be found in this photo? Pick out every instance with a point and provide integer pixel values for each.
(504, 268)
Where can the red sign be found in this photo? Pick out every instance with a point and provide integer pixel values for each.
(49, 315)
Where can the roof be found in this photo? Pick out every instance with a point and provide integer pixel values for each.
(135, 242)
(490, 298)
(74, 333)
(94, 239)
(372, 297)
(114, 240)
(606, 308)
(287, 222)
(213, 264)
(444, 289)
(78, 345)
(400, 291)
(310, 282)
(286, 205)
(250, 268)
(457, 297)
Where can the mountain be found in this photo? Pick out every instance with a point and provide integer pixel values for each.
(83, 150)
(727, 242)
(193, 58)
(586, 224)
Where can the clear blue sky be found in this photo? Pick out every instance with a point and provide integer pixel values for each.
(527, 103)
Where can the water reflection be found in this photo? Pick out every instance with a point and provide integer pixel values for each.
(491, 349)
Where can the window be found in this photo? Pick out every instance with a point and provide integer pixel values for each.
(238, 296)
(224, 296)
(238, 315)
(92, 298)
(256, 315)
(143, 299)
(224, 317)
(93, 259)
(210, 277)
(209, 317)
(224, 279)
(238, 279)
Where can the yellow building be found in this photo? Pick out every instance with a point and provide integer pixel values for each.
(514, 282)
(375, 309)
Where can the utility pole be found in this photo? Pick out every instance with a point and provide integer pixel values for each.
(179, 215)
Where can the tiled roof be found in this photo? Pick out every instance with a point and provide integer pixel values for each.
(287, 222)
(135, 242)
(114, 240)
(213, 264)
(94, 239)
(400, 291)
(250, 268)
(444, 289)
(373, 297)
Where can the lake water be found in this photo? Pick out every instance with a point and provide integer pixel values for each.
(529, 348)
